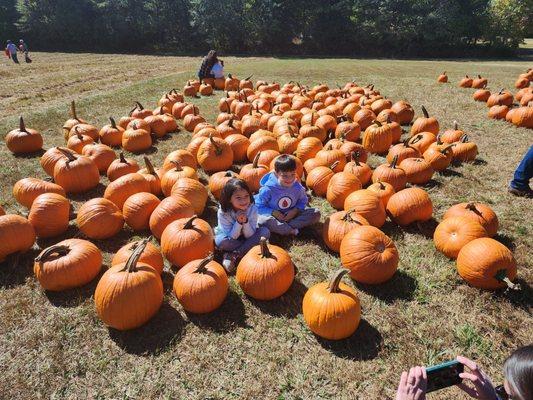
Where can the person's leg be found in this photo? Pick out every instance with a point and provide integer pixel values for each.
(307, 217)
(227, 244)
(253, 240)
(523, 173)
(15, 58)
(275, 226)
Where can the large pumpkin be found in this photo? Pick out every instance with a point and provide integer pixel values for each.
(478, 212)
(76, 174)
(369, 254)
(332, 309)
(201, 285)
(67, 264)
(169, 210)
(119, 190)
(410, 205)
(99, 218)
(425, 124)
(337, 225)
(16, 235)
(391, 174)
(265, 272)
(27, 190)
(453, 233)
(192, 190)
(120, 167)
(138, 208)
(487, 264)
(340, 186)
(49, 215)
(215, 154)
(377, 138)
(252, 173)
(368, 205)
(150, 255)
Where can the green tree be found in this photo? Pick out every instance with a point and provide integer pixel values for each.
(8, 17)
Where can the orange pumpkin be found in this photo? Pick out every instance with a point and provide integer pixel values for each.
(150, 255)
(26, 190)
(478, 212)
(337, 225)
(120, 189)
(454, 232)
(49, 215)
(383, 190)
(99, 218)
(392, 174)
(138, 208)
(215, 154)
(340, 186)
(425, 124)
(169, 210)
(76, 174)
(192, 190)
(368, 205)
(410, 205)
(252, 174)
(23, 140)
(377, 138)
(417, 170)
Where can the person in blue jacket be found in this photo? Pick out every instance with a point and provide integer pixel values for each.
(282, 200)
(237, 230)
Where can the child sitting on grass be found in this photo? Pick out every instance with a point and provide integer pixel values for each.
(282, 200)
(237, 231)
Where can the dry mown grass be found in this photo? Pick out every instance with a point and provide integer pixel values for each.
(52, 345)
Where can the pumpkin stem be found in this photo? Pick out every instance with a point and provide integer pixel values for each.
(415, 139)
(189, 223)
(256, 160)
(218, 150)
(131, 264)
(334, 282)
(250, 77)
(381, 185)
(447, 148)
(479, 76)
(73, 110)
(348, 217)
(78, 134)
(113, 123)
(376, 122)
(426, 114)
(132, 110)
(139, 105)
(355, 157)
(501, 276)
(67, 154)
(230, 122)
(177, 164)
(58, 249)
(464, 138)
(334, 165)
(265, 252)
(22, 126)
(149, 166)
(444, 73)
(122, 159)
(201, 268)
(394, 161)
(472, 207)
(455, 126)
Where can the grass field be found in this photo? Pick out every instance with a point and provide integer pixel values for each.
(53, 345)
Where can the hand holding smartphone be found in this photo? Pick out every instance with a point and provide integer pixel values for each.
(444, 375)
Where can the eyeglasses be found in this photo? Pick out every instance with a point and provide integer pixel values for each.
(502, 393)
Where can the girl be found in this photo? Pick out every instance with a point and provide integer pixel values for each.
(237, 231)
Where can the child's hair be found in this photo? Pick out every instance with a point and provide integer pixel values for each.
(229, 188)
(518, 370)
(285, 163)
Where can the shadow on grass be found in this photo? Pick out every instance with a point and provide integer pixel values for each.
(155, 336)
(289, 305)
(450, 172)
(424, 228)
(506, 240)
(74, 297)
(432, 183)
(97, 191)
(400, 287)
(116, 242)
(16, 268)
(35, 154)
(364, 344)
(229, 316)
(479, 161)
(522, 298)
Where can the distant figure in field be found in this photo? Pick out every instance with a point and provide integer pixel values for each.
(11, 49)
(207, 65)
(519, 186)
(23, 47)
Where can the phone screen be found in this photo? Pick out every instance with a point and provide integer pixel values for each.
(444, 375)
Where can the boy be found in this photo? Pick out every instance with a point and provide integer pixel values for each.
(282, 200)
(12, 50)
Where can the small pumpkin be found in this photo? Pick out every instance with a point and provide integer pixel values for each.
(392, 174)
(252, 173)
(464, 150)
(49, 215)
(171, 176)
(16, 235)
(76, 174)
(101, 154)
(452, 135)
(454, 232)
(138, 208)
(442, 78)
(121, 166)
(74, 120)
(425, 124)
(153, 176)
(50, 157)
(466, 82)
(135, 139)
(23, 140)
(78, 141)
(337, 225)
(410, 205)
(99, 218)
(404, 112)
(120, 189)
(359, 168)
(439, 157)
(111, 134)
(402, 150)
(383, 190)
(417, 170)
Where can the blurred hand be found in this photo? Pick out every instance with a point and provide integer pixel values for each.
(278, 215)
(241, 217)
(292, 214)
(412, 385)
(483, 388)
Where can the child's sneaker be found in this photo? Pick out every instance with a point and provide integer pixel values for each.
(229, 262)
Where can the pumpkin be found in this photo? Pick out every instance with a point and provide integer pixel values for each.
(383, 190)
(377, 138)
(16, 235)
(466, 82)
(478, 212)
(443, 78)
(268, 156)
(252, 174)
(452, 135)
(479, 82)
(498, 111)
(410, 205)
(140, 112)
(135, 139)
(120, 189)
(69, 123)
(521, 83)
(206, 89)
(2, 211)
(425, 124)
(439, 157)
(215, 154)
(23, 140)
(68, 264)
(487, 264)
(191, 120)
(308, 148)
(27, 190)
(49, 215)
(402, 150)
(337, 225)
(328, 156)
(332, 309)
(171, 176)
(348, 148)
(360, 169)
(369, 254)
(101, 154)
(129, 294)
(265, 272)
(368, 205)
(340, 186)
(157, 125)
(78, 141)
(218, 180)
(111, 134)
(464, 151)
(454, 232)
(348, 130)
(364, 117)
(184, 157)
(502, 98)
(201, 285)
(153, 176)
(50, 157)
(417, 170)
(260, 144)
(99, 218)
(231, 83)
(189, 90)
(396, 131)
(421, 141)
(192, 190)
(229, 127)
(380, 105)
(391, 174)
(76, 174)
(404, 112)
(523, 117)
(150, 255)
(137, 210)
(169, 210)
(187, 239)
(239, 145)
(481, 95)
(318, 179)
(121, 167)
(84, 130)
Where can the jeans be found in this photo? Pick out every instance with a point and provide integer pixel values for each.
(307, 217)
(523, 172)
(15, 58)
(241, 246)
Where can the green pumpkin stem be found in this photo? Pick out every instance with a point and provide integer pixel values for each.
(334, 282)
(265, 252)
(201, 268)
(149, 166)
(501, 276)
(426, 114)
(189, 223)
(131, 264)
(58, 249)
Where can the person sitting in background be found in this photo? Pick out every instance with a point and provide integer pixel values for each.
(218, 69)
(518, 384)
(12, 50)
(207, 65)
(519, 186)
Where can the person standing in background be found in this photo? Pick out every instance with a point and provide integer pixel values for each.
(12, 50)
(23, 47)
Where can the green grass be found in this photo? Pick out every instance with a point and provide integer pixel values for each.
(53, 345)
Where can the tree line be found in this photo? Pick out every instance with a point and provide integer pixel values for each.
(281, 27)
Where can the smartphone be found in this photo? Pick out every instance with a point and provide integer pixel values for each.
(444, 375)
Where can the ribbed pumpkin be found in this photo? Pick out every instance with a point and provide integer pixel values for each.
(383, 190)
(443, 78)
(453, 233)
(153, 176)
(265, 272)
(138, 208)
(466, 82)
(340, 186)
(191, 120)
(192, 190)
(487, 264)
(364, 117)
(181, 156)
(101, 154)
(503, 97)
(481, 95)
(111, 134)
(464, 150)
(425, 124)
(308, 148)
(359, 168)
(69, 123)
(368, 205)
(23, 140)
(439, 157)
(51, 157)
(478, 212)
(391, 174)
(332, 309)
(187, 239)
(422, 141)
(49, 215)
(129, 294)
(99, 218)
(318, 179)
(67, 264)
(328, 156)
(120, 189)
(417, 170)
(369, 254)
(85, 130)
(171, 176)
(76, 174)
(348, 130)
(452, 135)
(410, 205)
(26, 190)
(201, 285)
(498, 111)
(169, 210)
(337, 225)
(479, 82)
(252, 174)
(135, 139)
(377, 138)
(78, 141)
(402, 150)
(218, 180)
(215, 154)
(150, 255)
(16, 235)
(239, 145)
(120, 167)
(523, 116)
(404, 112)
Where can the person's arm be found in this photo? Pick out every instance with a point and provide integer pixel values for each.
(229, 226)
(262, 199)
(249, 228)
(483, 388)
(302, 201)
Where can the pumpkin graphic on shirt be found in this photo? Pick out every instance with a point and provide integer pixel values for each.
(284, 202)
